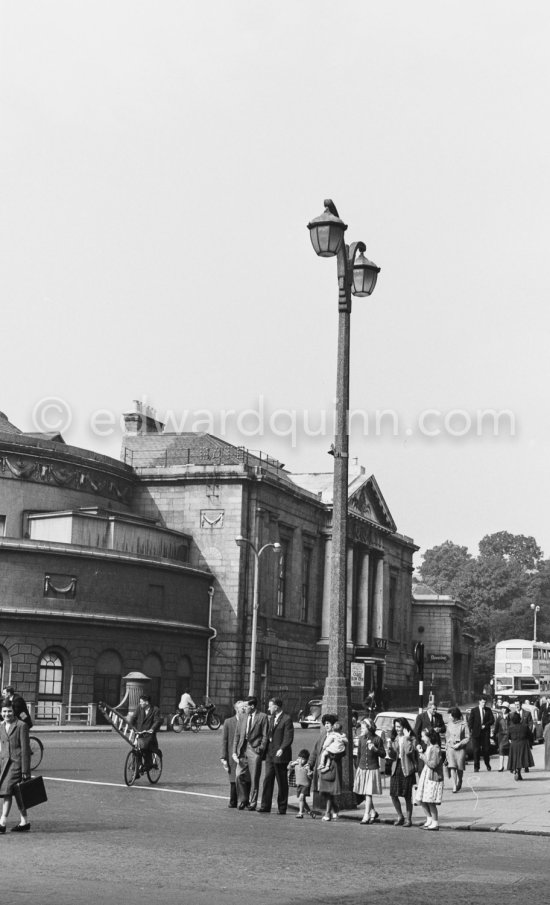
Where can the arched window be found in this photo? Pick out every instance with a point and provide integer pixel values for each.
(50, 686)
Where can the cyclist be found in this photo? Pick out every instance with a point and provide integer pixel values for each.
(146, 720)
(186, 705)
(18, 703)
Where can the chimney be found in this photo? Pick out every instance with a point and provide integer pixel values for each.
(143, 420)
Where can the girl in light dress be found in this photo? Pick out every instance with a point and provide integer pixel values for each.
(429, 792)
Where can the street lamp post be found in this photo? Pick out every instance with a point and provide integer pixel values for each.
(356, 276)
(536, 609)
(240, 540)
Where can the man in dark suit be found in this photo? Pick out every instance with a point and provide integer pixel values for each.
(249, 748)
(278, 757)
(429, 719)
(480, 720)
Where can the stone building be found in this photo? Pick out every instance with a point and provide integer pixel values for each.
(90, 592)
(438, 621)
(214, 492)
(110, 567)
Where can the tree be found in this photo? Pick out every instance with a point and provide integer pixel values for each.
(497, 587)
(511, 547)
(444, 567)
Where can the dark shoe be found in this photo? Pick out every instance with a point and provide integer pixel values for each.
(281, 812)
(501, 769)
(21, 828)
(2, 829)
(251, 807)
(526, 770)
(520, 776)
(399, 822)
(231, 805)
(408, 822)
(264, 811)
(241, 806)
(488, 767)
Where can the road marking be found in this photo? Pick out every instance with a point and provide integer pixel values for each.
(120, 785)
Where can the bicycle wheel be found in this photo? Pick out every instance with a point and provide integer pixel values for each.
(155, 770)
(131, 768)
(214, 721)
(177, 722)
(37, 751)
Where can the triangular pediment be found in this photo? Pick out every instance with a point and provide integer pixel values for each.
(366, 500)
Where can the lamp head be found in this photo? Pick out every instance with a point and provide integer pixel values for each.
(365, 273)
(327, 231)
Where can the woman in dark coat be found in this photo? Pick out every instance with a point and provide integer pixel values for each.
(326, 784)
(15, 758)
(502, 735)
(520, 746)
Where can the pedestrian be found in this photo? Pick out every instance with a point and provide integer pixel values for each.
(546, 737)
(15, 766)
(302, 776)
(329, 783)
(401, 751)
(457, 738)
(249, 748)
(480, 720)
(18, 703)
(430, 718)
(430, 785)
(228, 737)
(335, 743)
(278, 755)
(367, 780)
(502, 735)
(520, 748)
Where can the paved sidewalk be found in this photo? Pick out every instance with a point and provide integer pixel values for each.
(487, 802)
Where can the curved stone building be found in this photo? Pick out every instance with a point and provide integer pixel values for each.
(90, 591)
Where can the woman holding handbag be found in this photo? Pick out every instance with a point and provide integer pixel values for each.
(457, 738)
(14, 764)
(430, 785)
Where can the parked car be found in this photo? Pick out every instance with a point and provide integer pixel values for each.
(310, 716)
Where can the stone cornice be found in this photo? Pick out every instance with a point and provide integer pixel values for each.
(81, 552)
(101, 618)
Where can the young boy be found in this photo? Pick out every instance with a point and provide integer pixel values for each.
(303, 775)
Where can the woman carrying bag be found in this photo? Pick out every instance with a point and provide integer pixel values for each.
(14, 764)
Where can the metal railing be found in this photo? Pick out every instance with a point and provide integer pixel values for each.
(199, 455)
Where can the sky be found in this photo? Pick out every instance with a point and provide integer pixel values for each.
(160, 163)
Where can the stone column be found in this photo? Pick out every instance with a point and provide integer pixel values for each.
(378, 602)
(350, 601)
(363, 600)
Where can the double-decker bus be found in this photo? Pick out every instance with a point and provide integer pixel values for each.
(522, 669)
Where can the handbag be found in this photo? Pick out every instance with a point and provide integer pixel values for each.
(329, 774)
(30, 792)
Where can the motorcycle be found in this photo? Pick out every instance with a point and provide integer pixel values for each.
(203, 715)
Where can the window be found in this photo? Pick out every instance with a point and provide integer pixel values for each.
(50, 686)
(306, 579)
(282, 578)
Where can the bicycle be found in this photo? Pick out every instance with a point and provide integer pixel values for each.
(134, 765)
(37, 751)
(203, 715)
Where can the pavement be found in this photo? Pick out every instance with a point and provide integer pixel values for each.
(488, 801)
